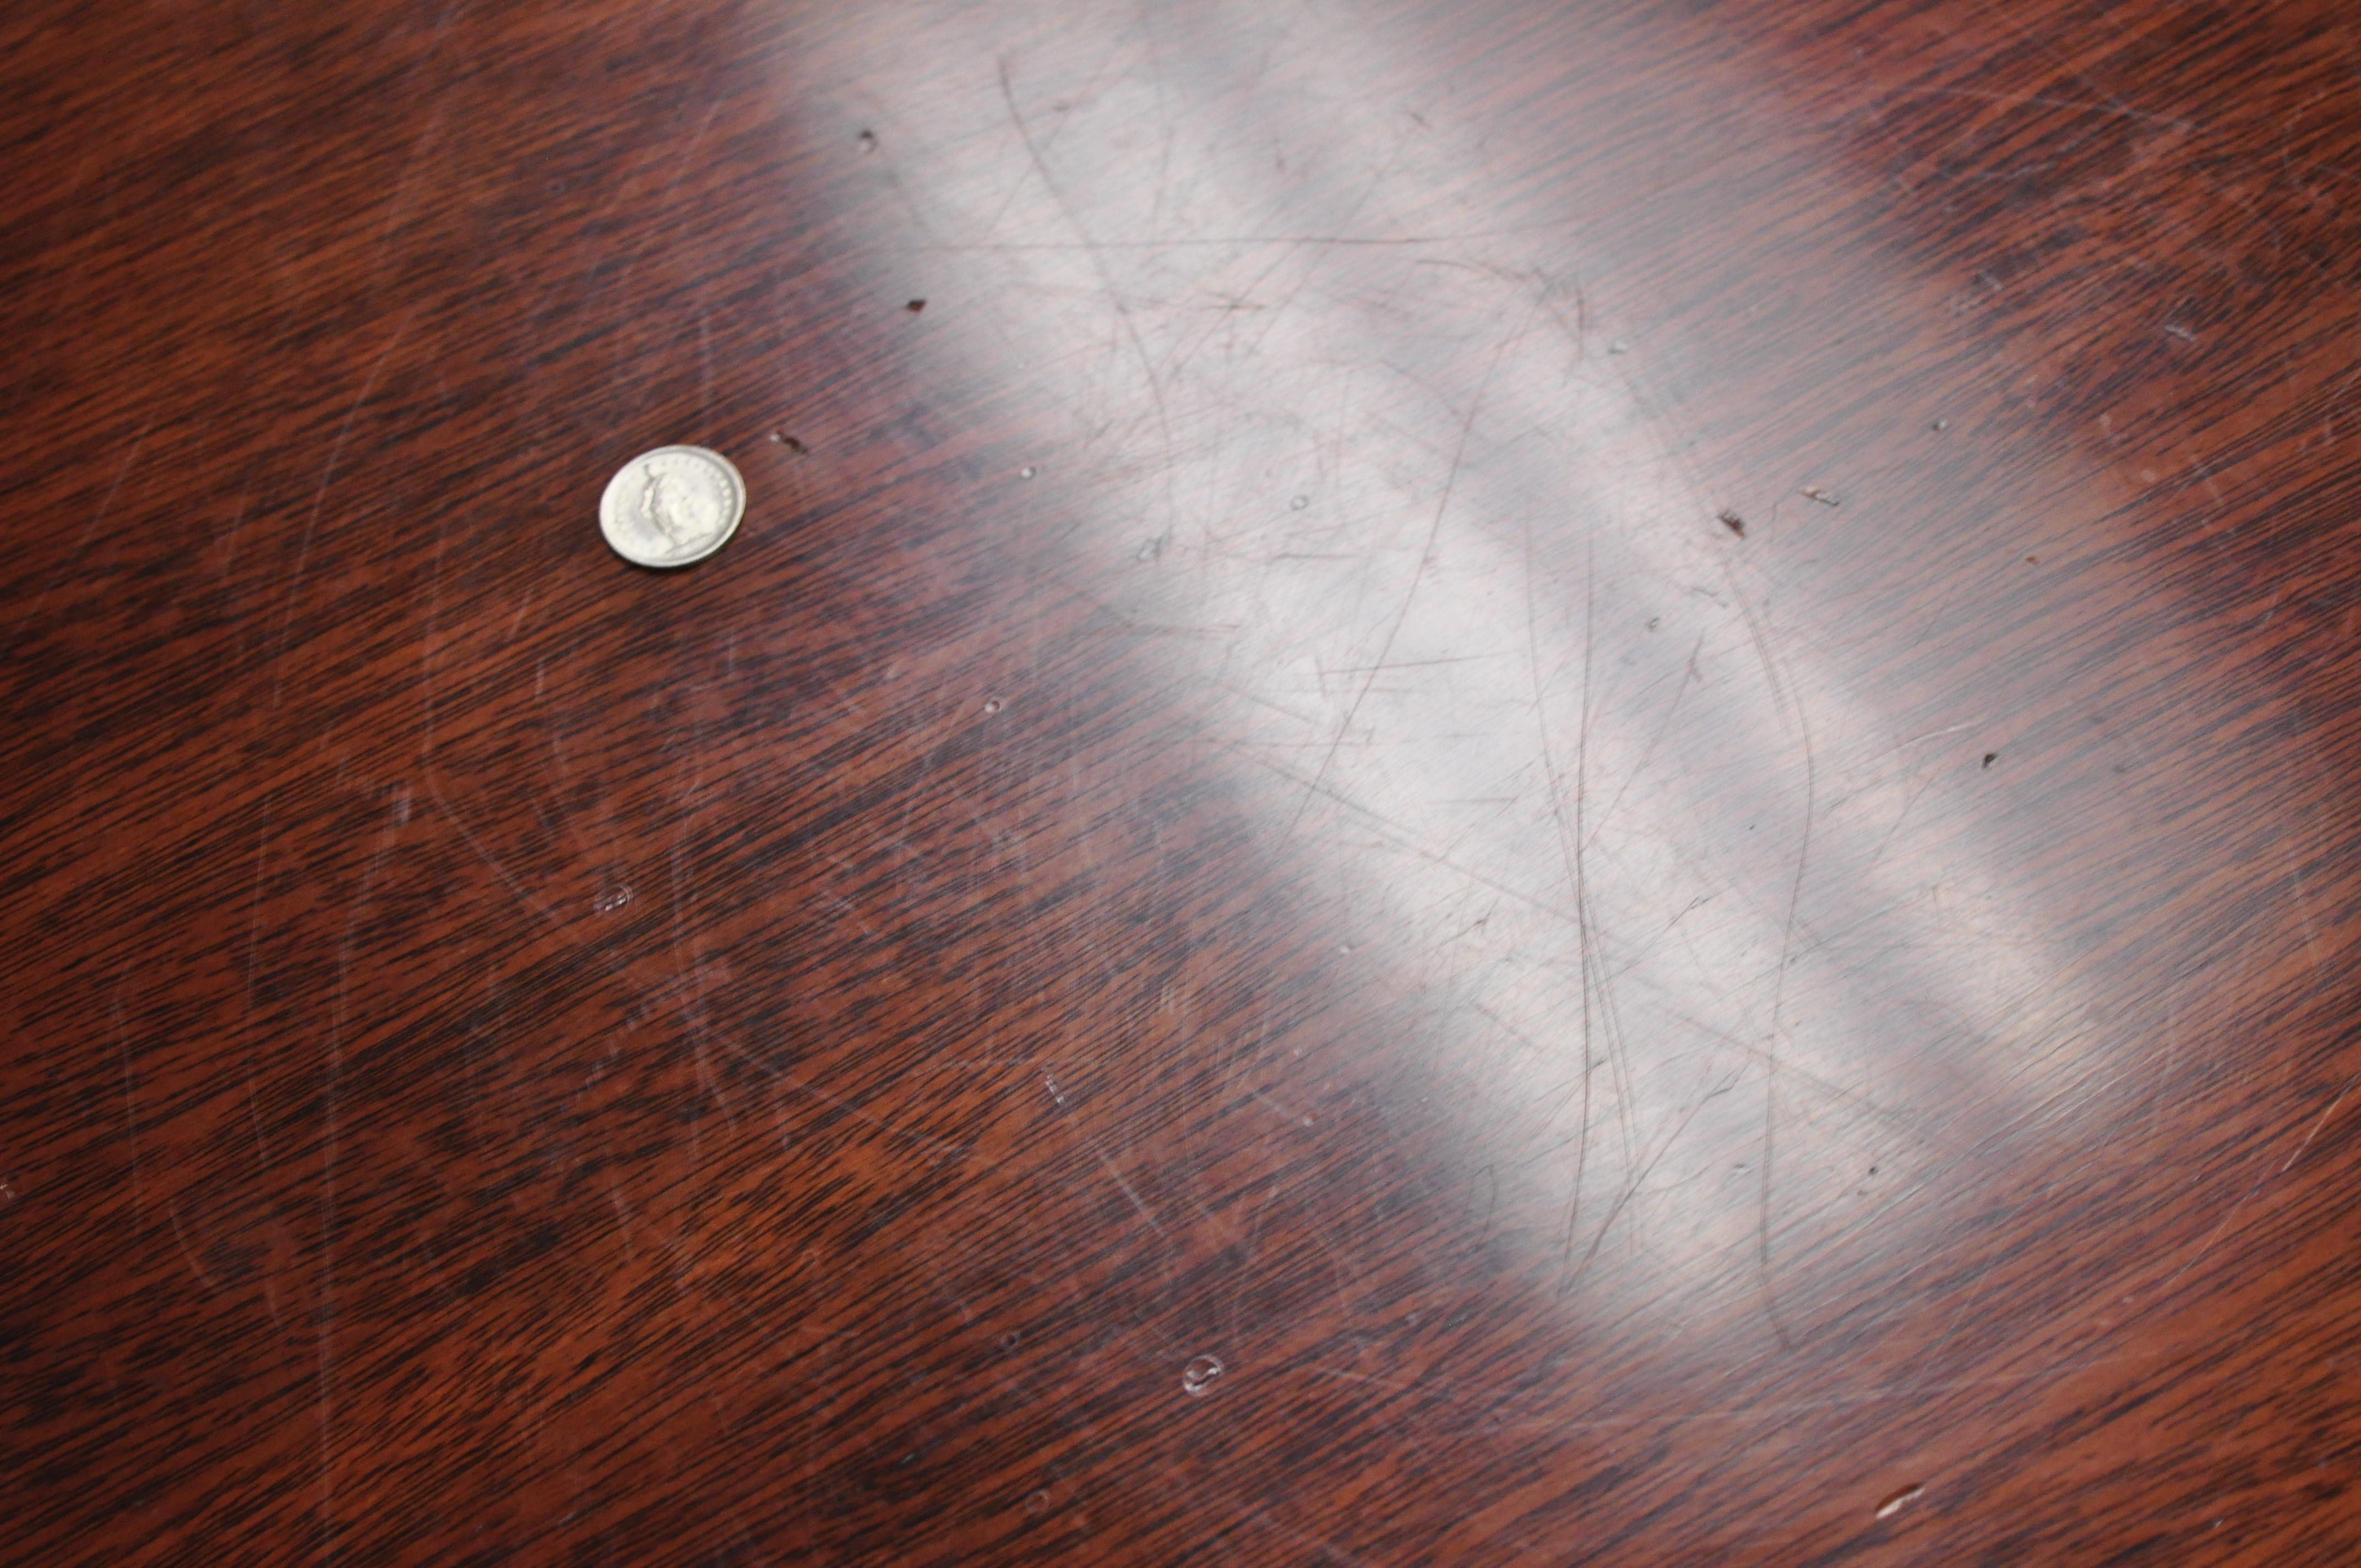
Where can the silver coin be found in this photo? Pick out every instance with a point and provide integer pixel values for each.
(672, 506)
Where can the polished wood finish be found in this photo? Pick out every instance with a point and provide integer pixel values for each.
(1538, 784)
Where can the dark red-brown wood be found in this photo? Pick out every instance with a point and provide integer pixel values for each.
(1540, 783)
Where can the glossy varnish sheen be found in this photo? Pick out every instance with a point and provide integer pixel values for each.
(1503, 784)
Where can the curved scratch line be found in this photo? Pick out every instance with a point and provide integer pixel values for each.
(1784, 696)
(1418, 573)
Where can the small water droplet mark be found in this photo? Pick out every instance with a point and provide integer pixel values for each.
(1011, 1339)
(1941, 425)
(993, 705)
(868, 140)
(1027, 471)
(780, 438)
(8, 1190)
(1198, 1374)
(1618, 347)
(1299, 503)
(1038, 1504)
(1900, 1500)
(1050, 1082)
(1826, 496)
(611, 900)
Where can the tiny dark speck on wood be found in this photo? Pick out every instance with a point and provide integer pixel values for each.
(1991, 757)
(914, 306)
(1732, 521)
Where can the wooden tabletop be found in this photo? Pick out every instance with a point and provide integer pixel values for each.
(1495, 783)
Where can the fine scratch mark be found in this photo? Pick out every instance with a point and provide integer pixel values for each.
(2323, 1122)
(957, 1151)
(1089, 90)
(1571, 845)
(254, 1109)
(1418, 573)
(1114, 294)
(623, 1213)
(1632, 1190)
(1690, 677)
(2015, 100)
(1238, 240)
(1939, 734)
(2303, 909)
(1785, 698)
(1333, 1553)
(691, 972)
(1246, 1257)
(329, 1148)
(171, 1208)
(130, 1120)
(320, 500)
(1402, 837)
(74, 556)
(435, 792)
(705, 375)
(1163, 118)
(1490, 1396)
(1145, 1212)
(2215, 1235)
(400, 204)
(680, 169)
(2065, 64)
(433, 785)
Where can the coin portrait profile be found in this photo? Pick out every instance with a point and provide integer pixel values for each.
(672, 506)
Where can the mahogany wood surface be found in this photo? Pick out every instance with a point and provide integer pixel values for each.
(1519, 782)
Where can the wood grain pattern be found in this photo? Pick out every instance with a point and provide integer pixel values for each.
(1538, 784)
